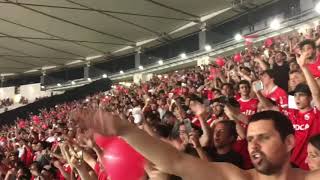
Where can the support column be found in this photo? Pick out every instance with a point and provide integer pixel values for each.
(2, 81)
(42, 78)
(202, 36)
(86, 71)
(137, 57)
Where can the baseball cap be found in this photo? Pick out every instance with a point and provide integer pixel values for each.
(304, 88)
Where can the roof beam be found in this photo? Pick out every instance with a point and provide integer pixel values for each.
(101, 10)
(70, 22)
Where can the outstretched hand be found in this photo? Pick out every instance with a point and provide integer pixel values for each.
(100, 121)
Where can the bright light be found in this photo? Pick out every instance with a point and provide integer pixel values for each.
(59, 84)
(160, 62)
(89, 79)
(42, 87)
(104, 75)
(238, 37)
(73, 83)
(275, 24)
(183, 55)
(141, 67)
(207, 48)
(87, 100)
(121, 72)
(317, 8)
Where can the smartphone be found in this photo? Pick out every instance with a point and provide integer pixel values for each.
(259, 86)
(188, 125)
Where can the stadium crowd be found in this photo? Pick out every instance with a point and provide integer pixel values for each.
(215, 113)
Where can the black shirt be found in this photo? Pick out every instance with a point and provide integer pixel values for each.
(281, 75)
(231, 157)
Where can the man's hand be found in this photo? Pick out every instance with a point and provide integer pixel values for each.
(102, 122)
(194, 140)
(302, 60)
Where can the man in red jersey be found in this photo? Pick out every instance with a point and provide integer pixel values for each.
(272, 91)
(248, 105)
(305, 119)
(312, 60)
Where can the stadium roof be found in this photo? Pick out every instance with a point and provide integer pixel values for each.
(50, 34)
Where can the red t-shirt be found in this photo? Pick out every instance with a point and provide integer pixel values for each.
(315, 67)
(241, 147)
(305, 125)
(279, 96)
(248, 107)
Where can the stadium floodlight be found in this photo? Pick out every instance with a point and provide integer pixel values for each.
(317, 7)
(104, 76)
(183, 55)
(59, 85)
(121, 72)
(275, 24)
(238, 37)
(89, 79)
(160, 62)
(207, 47)
(141, 67)
(73, 83)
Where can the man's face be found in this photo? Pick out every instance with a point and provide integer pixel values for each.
(244, 89)
(310, 51)
(267, 151)
(226, 91)
(194, 106)
(221, 136)
(279, 58)
(217, 109)
(313, 158)
(295, 79)
(302, 100)
(266, 79)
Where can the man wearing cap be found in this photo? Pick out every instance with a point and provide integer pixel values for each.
(305, 118)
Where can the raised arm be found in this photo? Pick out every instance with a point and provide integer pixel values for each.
(164, 156)
(312, 83)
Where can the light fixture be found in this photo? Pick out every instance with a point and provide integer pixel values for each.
(275, 24)
(317, 7)
(104, 75)
(89, 79)
(183, 55)
(238, 37)
(207, 47)
(42, 87)
(73, 83)
(87, 100)
(160, 62)
(121, 72)
(59, 85)
(141, 67)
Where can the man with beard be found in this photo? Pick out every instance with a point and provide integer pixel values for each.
(270, 138)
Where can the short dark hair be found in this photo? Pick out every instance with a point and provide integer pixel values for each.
(307, 42)
(281, 123)
(227, 84)
(282, 53)
(196, 98)
(244, 82)
(270, 73)
(231, 125)
(315, 141)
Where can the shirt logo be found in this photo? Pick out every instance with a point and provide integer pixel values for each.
(306, 117)
(302, 127)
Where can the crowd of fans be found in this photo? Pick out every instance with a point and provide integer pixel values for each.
(202, 111)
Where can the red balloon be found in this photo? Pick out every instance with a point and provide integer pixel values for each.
(121, 161)
(220, 61)
(237, 57)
